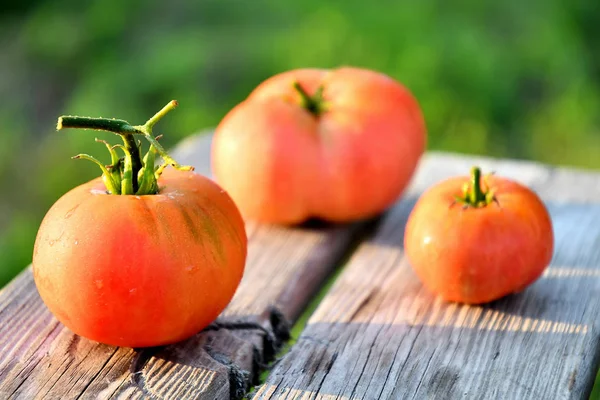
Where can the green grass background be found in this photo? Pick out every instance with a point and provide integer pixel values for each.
(510, 79)
(506, 78)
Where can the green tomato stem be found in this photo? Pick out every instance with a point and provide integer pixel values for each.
(158, 116)
(314, 104)
(473, 194)
(165, 156)
(134, 167)
(476, 194)
(114, 157)
(106, 176)
(117, 126)
(128, 176)
(115, 167)
(147, 179)
(132, 155)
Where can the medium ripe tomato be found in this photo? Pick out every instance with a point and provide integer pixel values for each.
(474, 244)
(139, 270)
(338, 145)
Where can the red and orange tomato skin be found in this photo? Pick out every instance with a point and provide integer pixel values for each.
(477, 255)
(140, 271)
(282, 164)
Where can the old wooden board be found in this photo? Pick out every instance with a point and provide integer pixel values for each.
(378, 334)
(39, 358)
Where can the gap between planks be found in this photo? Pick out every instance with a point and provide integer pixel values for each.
(298, 327)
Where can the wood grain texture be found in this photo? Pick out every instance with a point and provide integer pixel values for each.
(378, 334)
(41, 359)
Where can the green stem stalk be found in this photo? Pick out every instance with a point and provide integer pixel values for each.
(157, 117)
(473, 194)
(106, 176)
(314, 104)
(116, 163)
(132, 151)
(134, 163)
(117, 126)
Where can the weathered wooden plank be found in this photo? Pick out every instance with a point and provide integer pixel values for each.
(378, 334)
(39, 358)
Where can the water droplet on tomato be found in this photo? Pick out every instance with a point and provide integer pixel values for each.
(132, 290)
(138, 197)
(76, 242)
(99, 283)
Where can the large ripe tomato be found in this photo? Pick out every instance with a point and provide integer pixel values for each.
(139, 257)
(336, 144)
(140, 270)
(473, 245)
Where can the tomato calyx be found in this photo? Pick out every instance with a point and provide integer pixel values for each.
(473, 194)
(133, 173)
(314, 104)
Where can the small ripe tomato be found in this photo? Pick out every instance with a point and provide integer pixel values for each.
(474, 244)
(338, 145)
(140, 270)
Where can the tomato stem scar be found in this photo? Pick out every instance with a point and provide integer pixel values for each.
(133, 173)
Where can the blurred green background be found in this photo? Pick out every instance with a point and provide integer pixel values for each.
(508, 78)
